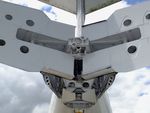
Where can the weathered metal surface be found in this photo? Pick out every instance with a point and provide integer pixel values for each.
(90, 5)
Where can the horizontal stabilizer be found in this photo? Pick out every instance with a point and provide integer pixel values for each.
(90, 5)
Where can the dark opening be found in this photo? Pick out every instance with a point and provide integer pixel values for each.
(30, 22)
(127, 22)
(85, 85)
(71, 85)
(2, 42)
(132, 49)
(78, 67)
(8, 17)
(24, 49)
(148, 16)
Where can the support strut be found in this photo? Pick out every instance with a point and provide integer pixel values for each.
(80, 17)
(80, 5)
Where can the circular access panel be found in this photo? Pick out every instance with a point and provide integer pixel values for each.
(127, 22)
(132, 49)
(24, 49)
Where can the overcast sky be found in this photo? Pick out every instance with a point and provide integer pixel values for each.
(23, 92)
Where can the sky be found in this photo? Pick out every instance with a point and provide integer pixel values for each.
(131, 2)
(24, 92)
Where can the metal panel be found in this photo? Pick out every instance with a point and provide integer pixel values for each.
(102, 106)
(90, 5)
(120, 58)
(37, 57)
